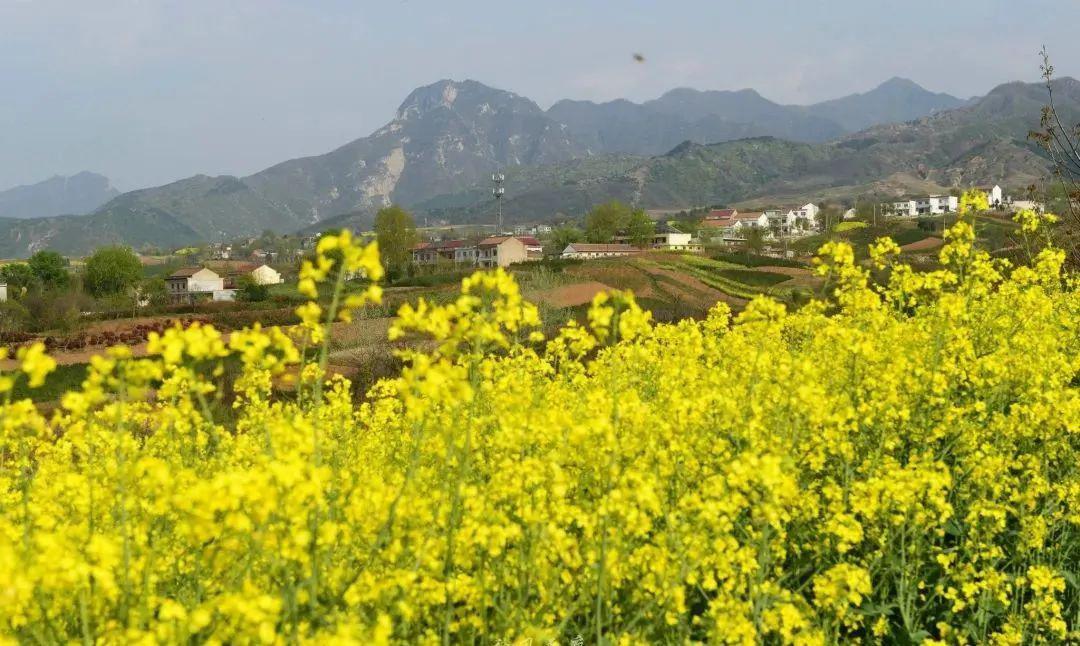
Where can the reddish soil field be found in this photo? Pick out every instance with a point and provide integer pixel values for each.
(923, 245)
(571, 295)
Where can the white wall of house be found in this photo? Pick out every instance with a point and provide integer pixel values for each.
(930, 205)
(3, 292)
(205, 280)
(266, 275)
(226, 295)
(465, 255)
(503, 254)
(994, 197)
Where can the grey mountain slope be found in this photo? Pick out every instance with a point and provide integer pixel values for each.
(75, 195)
(656, 126)
(895, 100)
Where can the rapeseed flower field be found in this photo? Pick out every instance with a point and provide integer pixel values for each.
(898, 463)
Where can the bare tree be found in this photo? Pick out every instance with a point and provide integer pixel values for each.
(1061, 142)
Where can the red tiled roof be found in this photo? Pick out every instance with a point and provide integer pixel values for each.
(233, 267)
(721, 214)
(529, 241)
(588, 247)
(185, 272)
(493, 241)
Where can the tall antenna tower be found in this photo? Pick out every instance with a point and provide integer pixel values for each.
(498, 191)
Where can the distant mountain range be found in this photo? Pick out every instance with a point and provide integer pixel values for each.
(77, 195)
(657, 126)
(685, 148)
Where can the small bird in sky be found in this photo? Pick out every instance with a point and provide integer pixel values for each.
(639, 58)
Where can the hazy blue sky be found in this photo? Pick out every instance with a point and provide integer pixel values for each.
(147, 92)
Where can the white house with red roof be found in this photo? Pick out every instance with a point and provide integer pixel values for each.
(501, 251)
(588, 250)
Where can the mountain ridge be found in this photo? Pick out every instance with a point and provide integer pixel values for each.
(436, 155)
(76, 194)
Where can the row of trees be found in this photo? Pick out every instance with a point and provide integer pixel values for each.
(44, 293)
(602, 224)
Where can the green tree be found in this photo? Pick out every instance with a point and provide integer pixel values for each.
(112, 270)
(755, 242)
(154, 291)
(605, 220)
(562, 236)
(395, 231)
(19, 278)
(50, 268)
(251, 291)
(640, 228)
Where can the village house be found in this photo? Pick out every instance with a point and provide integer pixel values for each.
(1025, 205)
(586, 250)
(191, 282)
(430, 253)
(533, 247)
(535, 229)
(667, 237)
(793, 219)
(994, 197)
(500, 251)
(233, 270)
(462, 253)
(719, 218)
(3, 292)
(266, 275)
(741, 223)
(931, 205)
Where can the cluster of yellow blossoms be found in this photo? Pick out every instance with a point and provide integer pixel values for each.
(899, 463)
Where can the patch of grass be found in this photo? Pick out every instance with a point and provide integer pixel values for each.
(908, 236)
(850, 226)
(60, 381)
(754, 278)
(432, 280)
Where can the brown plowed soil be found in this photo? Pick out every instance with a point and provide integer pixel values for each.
(572, 295)
(923, 245)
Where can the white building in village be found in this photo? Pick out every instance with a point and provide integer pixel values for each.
(994, 197)
(930, 205)
(588, 250)
(3, 292)
(793, 219)
(666, 237)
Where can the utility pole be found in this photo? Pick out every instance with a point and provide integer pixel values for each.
(498, 191)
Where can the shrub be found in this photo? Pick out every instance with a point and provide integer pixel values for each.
(251, 291)
(849, 226)
(895, 465)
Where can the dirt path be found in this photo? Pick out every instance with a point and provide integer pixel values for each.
(923, 245)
